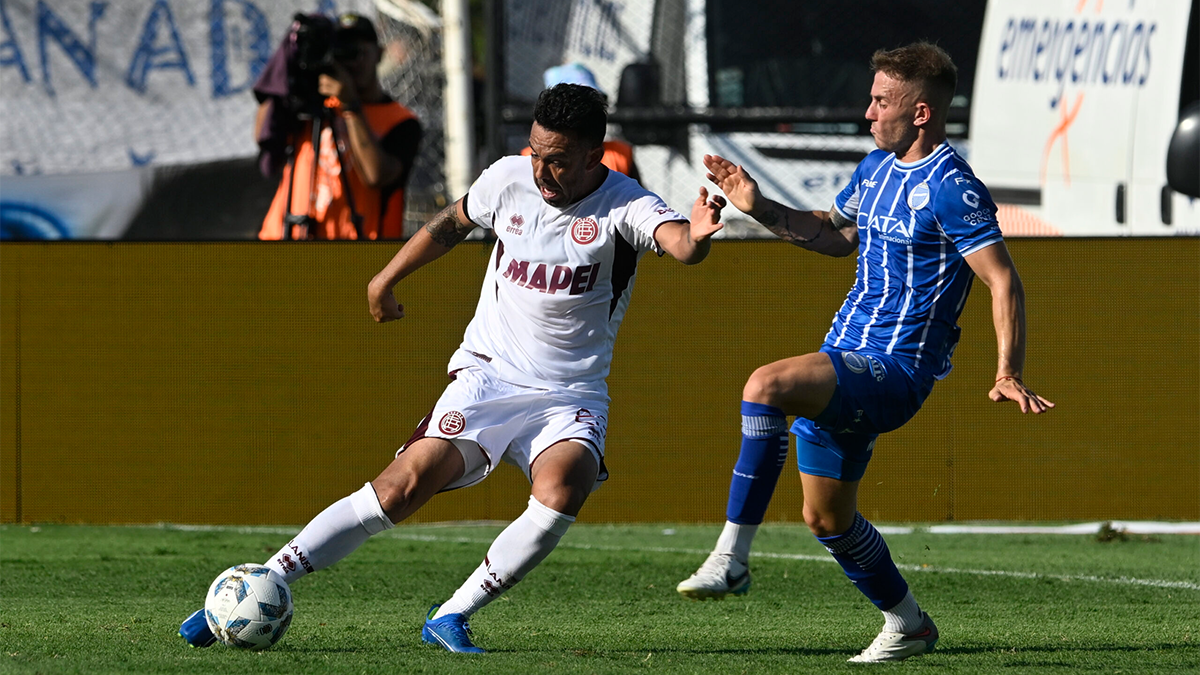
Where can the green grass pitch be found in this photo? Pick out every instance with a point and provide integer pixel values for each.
(77, 599)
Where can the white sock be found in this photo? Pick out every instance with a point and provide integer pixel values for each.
(905, 617)
(736, 539)
(332, 535)
(519, 548)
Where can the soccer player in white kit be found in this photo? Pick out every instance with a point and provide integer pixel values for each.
(923, 227)
(528, 381)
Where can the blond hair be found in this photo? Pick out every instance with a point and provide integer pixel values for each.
(922, 63)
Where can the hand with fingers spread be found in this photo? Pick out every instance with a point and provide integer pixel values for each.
(689, 242)
(738, 186)
(706, 216)
(1011, 388)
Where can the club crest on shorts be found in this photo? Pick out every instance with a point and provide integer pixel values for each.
(584, 230)
(918, 198)
(452, 423)
(597, 425)
(859, 364)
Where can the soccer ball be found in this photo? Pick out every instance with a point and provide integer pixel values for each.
(248, 606)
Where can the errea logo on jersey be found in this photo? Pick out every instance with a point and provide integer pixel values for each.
(515, 223)
(575, 281)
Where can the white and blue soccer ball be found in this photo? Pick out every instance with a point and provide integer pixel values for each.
(248, 606)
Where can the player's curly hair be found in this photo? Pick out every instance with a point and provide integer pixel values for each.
(922, 62)
(574, 109)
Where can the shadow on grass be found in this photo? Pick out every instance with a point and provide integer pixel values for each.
(823, 651)
(605, 653)
(307, 650)
(1048, 649)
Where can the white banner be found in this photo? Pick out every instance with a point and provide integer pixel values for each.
(1074, 108)
(97, 93)
(109, 85)
(603, 35)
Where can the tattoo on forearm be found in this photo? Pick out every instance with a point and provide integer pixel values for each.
(838, 221)
(770, 220)
(445, 229)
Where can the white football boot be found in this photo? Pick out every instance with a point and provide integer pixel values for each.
(889, 646)
(720, 575)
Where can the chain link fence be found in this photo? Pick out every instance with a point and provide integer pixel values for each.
(779, 86)
(411, 72)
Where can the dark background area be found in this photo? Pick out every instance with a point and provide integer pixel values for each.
(219, 201)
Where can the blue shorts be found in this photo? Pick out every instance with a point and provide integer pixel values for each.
(875, 394)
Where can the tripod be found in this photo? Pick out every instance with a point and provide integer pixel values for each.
(321, 118)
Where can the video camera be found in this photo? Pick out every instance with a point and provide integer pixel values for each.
(314, 44)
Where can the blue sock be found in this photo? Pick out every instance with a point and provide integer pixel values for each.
(763, 454)
(866, 559)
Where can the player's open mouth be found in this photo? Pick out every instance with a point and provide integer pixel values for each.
(548, 193)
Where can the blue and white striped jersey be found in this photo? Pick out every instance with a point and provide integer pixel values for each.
(915, 223)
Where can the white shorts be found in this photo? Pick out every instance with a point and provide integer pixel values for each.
(490, 420)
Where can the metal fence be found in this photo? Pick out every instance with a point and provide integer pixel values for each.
(778, 85)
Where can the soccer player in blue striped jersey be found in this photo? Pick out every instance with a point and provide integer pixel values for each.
(924, 227)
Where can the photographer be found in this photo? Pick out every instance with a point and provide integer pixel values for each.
(325, 74)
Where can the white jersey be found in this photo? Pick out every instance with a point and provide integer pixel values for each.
(559, 280)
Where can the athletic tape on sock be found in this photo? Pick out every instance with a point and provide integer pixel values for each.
(760, 421)
(547, 518)
(369, 511)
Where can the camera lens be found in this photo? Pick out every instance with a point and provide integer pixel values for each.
(345, 50)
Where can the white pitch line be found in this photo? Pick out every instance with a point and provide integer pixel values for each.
(393, 534)
(1130, 581)
(1125, 526)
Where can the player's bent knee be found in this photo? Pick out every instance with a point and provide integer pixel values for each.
(417, 474)
(564, 475)
(566, 499)
(820, 523)
(763, 387)
(566, 492)
(396, 498)
(827, 521)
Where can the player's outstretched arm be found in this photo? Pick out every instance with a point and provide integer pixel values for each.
(431, 242)
(995, 267)
(690, 242)
(824, 232)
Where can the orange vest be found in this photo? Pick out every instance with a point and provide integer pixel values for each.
(330, 208)
(618, 156)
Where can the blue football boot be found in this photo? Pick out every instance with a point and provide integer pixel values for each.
(450, 631)
(195, 630)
